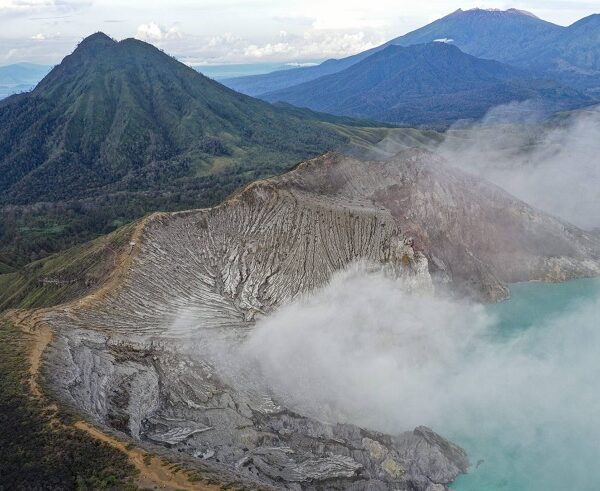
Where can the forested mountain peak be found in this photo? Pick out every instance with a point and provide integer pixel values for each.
(116, 120)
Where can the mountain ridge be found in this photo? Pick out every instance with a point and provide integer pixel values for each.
(425, 84)
(479, 43)
(150, 354)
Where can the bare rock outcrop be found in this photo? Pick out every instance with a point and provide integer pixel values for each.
(162, 396)
(475, 235)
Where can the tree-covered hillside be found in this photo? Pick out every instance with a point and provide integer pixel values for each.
(119, 129)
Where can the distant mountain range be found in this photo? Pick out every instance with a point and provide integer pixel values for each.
(20, 77)
(567, 55)
(571, 55)
(481, 33)
(432, 83)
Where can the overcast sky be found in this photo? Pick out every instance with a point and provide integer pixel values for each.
(237, 31)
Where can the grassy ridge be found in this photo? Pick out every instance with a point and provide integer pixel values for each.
(66, 275)
(363, 140)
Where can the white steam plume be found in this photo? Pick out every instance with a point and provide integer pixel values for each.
(362, 351)
(554, 167)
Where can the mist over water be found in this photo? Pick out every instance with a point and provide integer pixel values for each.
(523, 399)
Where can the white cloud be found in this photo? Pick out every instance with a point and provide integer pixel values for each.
(265, 30)
(45, 36)
(226, 39)
(46, 51)
(307, 46)
(335, 43)
(315, 44)
(268, 50)
(24, 6)
(153, 32)
(300, 65)
(10, 55)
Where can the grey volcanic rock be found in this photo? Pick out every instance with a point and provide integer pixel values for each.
(162, 396)
(478, 235)
(155, 357)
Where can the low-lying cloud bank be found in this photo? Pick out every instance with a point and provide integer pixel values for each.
(552, 165)
(361, 350)
(555, 167)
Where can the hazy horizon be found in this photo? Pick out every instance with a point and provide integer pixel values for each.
(236, 31)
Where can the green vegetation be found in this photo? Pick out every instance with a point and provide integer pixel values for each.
(118, 130)
(37, 449)
(362, 140)
(121, 129)
(63, 276)
(71, 273)
(5, 268)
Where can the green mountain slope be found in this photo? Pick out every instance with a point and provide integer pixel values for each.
(127, 116)
(119, 129)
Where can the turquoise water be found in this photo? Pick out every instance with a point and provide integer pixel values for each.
(551, 439)
(534, 303)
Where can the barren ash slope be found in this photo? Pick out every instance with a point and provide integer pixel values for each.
(147, 356)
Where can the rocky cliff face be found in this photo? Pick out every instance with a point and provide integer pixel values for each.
(146, 358)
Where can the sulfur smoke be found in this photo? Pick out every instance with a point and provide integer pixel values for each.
(363, 351)
(554, 166)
